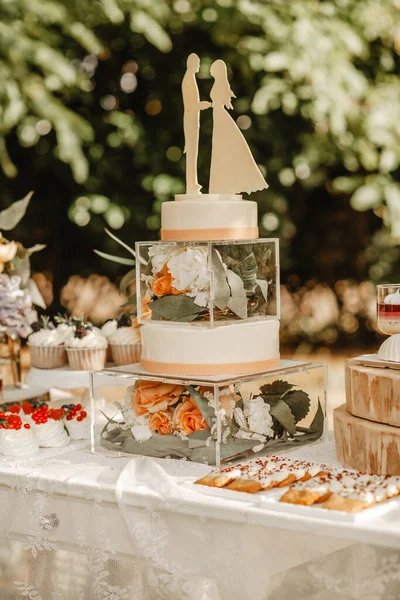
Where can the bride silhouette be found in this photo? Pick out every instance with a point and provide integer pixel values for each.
(233, 168)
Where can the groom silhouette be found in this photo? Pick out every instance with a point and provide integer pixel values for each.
(191, 121)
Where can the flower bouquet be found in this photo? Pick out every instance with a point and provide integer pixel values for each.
(215, 423)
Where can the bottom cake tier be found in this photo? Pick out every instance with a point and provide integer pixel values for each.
(237, 349)
(366, 446)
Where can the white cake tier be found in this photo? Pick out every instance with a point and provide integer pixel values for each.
(209, 217)
(240, 348)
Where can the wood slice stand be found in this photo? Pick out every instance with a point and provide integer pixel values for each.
(366, 446)
(367, 427)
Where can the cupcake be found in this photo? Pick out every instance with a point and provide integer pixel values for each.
(76, 422)
(125, 342)
(107, 330)
(16, 437)
(47, 345)
(48, 428)
(86, 347)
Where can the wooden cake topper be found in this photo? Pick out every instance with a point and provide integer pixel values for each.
(233, 168)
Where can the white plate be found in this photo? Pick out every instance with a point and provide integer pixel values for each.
(270, 501)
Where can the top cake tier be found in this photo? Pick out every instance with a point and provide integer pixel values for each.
(208, 283)
(209, 217)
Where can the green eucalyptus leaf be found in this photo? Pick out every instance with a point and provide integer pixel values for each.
(263, 285)
(282, 413)
(175, 308)
(238, 299)
(127, 279)
(247, 271)
(159, 446)
(11, 216)
(222, 292)
(206, 410)
(118, 259)
(276, 387)
(35, 294)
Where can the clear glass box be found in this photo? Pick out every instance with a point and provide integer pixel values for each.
(213, 420)
(208, 282)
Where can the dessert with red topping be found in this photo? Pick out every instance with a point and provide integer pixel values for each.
(16, 437)
(48, 427)
(76, 421)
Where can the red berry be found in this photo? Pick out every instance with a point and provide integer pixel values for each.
(78, 406)
(27, 408)
(27, 426)
(83, 414)
(79, 419)
(15, 408)
(69, 417)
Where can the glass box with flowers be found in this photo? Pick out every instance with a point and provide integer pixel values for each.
(208, 282)
(213, 419)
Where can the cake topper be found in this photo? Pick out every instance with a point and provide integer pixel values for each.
(191, 121)
(233, 168)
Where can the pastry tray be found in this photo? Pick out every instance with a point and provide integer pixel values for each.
(269, 500)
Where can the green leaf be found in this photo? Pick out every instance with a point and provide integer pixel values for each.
(117, 259)
(263, 285)
(238, 300)
(299, 403)
(276, 387)
(35, 294)
(11, 216)
(282, 413)
(222, 291)
(120, 242)
(159, 446)
(175, 308)
(206, 410)
(127, 279)
(247, 271)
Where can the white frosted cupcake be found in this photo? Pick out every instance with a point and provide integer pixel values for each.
(16, 438)
(107, 330)
(125, 342)
(87, 348)
(47, 346)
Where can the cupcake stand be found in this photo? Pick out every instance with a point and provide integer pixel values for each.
(367, 427)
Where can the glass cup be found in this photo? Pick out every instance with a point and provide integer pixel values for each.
(388, 308)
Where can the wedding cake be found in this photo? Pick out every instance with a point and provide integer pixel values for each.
(211, 284)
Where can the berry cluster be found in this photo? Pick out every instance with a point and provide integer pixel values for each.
(74, 410)
(43, 323)
(124, 321)
(12, 421)
(43, 413)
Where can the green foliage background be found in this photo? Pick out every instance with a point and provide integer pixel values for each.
(316, 81)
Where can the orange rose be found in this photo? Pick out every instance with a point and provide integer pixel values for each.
(188, 418)
(162, 284)
(151, 396)
(225, 400)
(161, 422)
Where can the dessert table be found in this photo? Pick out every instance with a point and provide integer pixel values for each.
(95, 526)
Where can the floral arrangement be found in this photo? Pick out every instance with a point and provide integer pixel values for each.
(165, 419)
(177, 278)
(18, 292)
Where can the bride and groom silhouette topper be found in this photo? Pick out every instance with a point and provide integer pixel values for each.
(233, 168)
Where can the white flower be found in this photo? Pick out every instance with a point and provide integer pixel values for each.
(258, 416)
(159, 255)
(189, 271)
(141, 430)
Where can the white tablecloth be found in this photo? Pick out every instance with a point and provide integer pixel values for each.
(94, 527)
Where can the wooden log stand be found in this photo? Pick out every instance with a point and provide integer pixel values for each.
(373, 393)
(366, 446)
